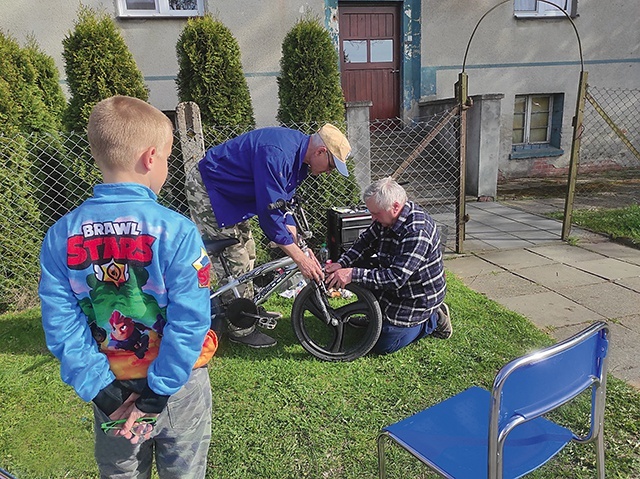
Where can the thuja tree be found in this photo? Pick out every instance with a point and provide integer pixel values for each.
(98, 64)
(210, 74)
(22, 112)
(310, 95)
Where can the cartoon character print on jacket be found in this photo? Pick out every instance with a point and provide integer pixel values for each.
(126, 321)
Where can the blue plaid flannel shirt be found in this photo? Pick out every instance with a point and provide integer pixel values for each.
(407, 275)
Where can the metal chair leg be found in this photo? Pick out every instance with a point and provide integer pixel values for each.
(382, 465)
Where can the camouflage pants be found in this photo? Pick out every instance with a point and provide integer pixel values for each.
(240, 257)
(179, 441)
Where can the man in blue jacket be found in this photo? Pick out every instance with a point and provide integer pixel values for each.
(238, 179)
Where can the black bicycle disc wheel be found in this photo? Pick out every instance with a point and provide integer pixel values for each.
(357, 323)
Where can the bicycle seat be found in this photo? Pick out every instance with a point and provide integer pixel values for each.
(215, 247)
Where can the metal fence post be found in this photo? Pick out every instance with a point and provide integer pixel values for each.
(575, 155)
(462, 92)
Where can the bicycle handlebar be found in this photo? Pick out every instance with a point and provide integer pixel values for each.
(294, 207)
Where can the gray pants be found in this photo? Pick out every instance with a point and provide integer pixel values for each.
(179, 441)
(240, 257)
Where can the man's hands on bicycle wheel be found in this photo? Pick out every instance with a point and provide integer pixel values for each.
(338, 277)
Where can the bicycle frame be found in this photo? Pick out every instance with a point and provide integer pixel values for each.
(334, 340)
(286, 264)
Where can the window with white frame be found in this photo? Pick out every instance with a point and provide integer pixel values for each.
(160, 8)
(544, 9)
(537, 125)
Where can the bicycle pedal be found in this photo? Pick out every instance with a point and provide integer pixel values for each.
(267, 323)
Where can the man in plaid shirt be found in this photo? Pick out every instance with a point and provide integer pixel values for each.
(407, 272)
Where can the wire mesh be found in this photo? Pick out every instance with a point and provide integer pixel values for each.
(609, 168)
(44, 176)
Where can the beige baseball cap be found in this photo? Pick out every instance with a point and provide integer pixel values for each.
(338, 146)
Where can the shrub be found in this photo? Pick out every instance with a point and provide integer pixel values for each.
(210, 74)
(98, 65)
(309, 89)
(310, 94)
(48, 82)
(31, 104)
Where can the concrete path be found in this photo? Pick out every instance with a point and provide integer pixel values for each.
(518, 260)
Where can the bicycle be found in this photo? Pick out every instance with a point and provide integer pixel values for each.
(338, 325)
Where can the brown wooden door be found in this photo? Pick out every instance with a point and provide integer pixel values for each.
(370, 57)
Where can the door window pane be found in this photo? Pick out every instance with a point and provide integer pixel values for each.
(382, 50)
(355, 51)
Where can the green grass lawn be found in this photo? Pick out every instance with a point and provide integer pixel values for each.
(619, 223)
(280, 413)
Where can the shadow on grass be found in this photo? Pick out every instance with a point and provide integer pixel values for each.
(22, 334)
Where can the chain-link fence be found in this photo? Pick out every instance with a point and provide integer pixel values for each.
(424, 156)
(44, 176)
(609, 168)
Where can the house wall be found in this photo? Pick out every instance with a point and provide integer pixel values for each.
(258, 26)
(514, 56)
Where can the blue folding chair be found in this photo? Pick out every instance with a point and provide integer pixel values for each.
(501, 434)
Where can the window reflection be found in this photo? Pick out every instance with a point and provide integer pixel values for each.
(354, 51)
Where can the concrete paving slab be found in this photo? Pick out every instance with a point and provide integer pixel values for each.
(632, 322)
(558, 275)
(623, 358)
(614, 250)
(538, 236)
(507, 243)
(475, 227)
(478, 246)
(572, 287)
(517, 228)
(550, 310)
(498, 286)
(517, 259)
(564, 253)
(607, 299)
(470, 267)
(631, 283)
(610, 268)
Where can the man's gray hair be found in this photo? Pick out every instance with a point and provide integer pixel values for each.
(385, 192)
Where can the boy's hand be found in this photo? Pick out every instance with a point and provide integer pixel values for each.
(131, 413)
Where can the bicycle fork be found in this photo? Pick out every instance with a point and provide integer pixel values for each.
(321, 295)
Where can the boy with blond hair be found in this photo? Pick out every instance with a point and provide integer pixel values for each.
(125, 303)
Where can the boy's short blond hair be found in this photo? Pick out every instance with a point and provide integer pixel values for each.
(121, 128)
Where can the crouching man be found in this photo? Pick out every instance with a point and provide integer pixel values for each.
(399, 259)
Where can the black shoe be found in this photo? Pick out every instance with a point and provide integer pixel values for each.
(255, 339)
(444, 329)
